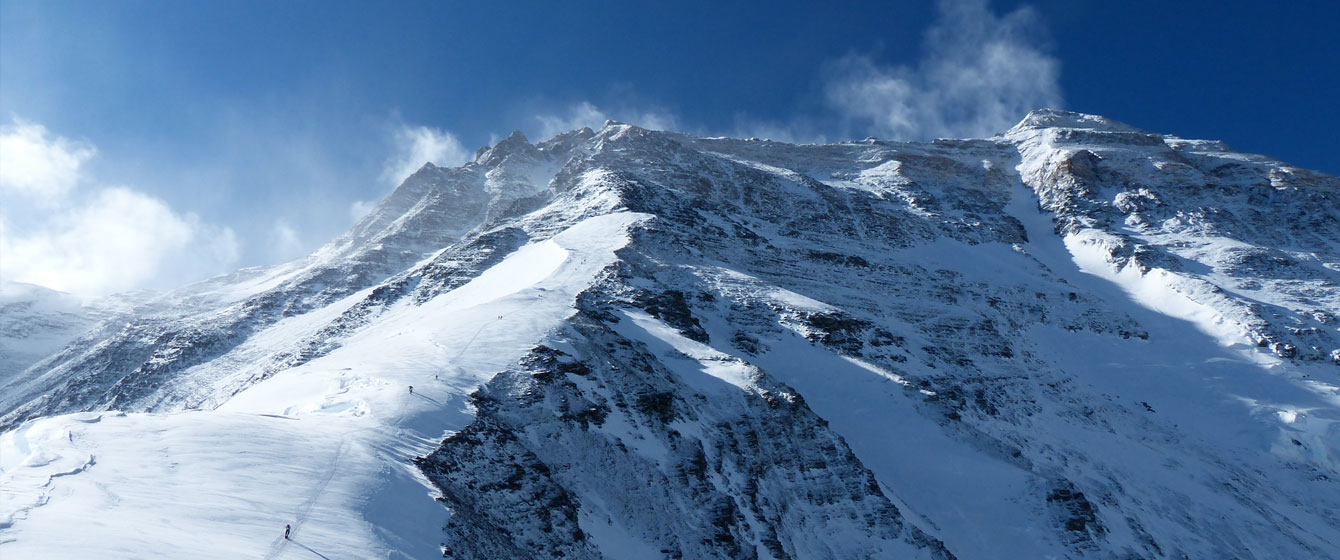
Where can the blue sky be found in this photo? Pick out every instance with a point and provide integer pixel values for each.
(152, 143)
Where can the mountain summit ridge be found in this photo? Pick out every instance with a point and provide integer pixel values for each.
(1073, 339)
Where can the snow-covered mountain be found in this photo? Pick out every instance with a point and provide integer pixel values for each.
(1075, 339)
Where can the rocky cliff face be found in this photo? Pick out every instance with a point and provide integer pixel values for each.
(1075, 339)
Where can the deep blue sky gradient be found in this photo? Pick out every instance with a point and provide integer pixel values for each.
(1263, 76)
(242, 111)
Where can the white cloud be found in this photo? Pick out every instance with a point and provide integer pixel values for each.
(115, 240)
(585, 114)
(36, 165)
(981, 74)
(95, 239)
(416, 145)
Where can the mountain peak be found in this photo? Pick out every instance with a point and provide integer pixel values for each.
(514, 144)
(1058, 118)
(565, 141)
(427, 167)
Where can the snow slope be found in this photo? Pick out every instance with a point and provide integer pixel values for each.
(325, 447)
(1075, 339)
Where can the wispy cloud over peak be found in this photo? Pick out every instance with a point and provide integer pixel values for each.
(979, 75)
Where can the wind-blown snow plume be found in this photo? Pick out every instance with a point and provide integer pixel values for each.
(286, 243)
(586, 114)
(413, 146)
(416, 145)
(979, 74)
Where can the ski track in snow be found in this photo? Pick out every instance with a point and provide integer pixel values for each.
(322, 446)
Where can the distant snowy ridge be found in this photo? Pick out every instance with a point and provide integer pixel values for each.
(36, 322)
(1075, 339)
